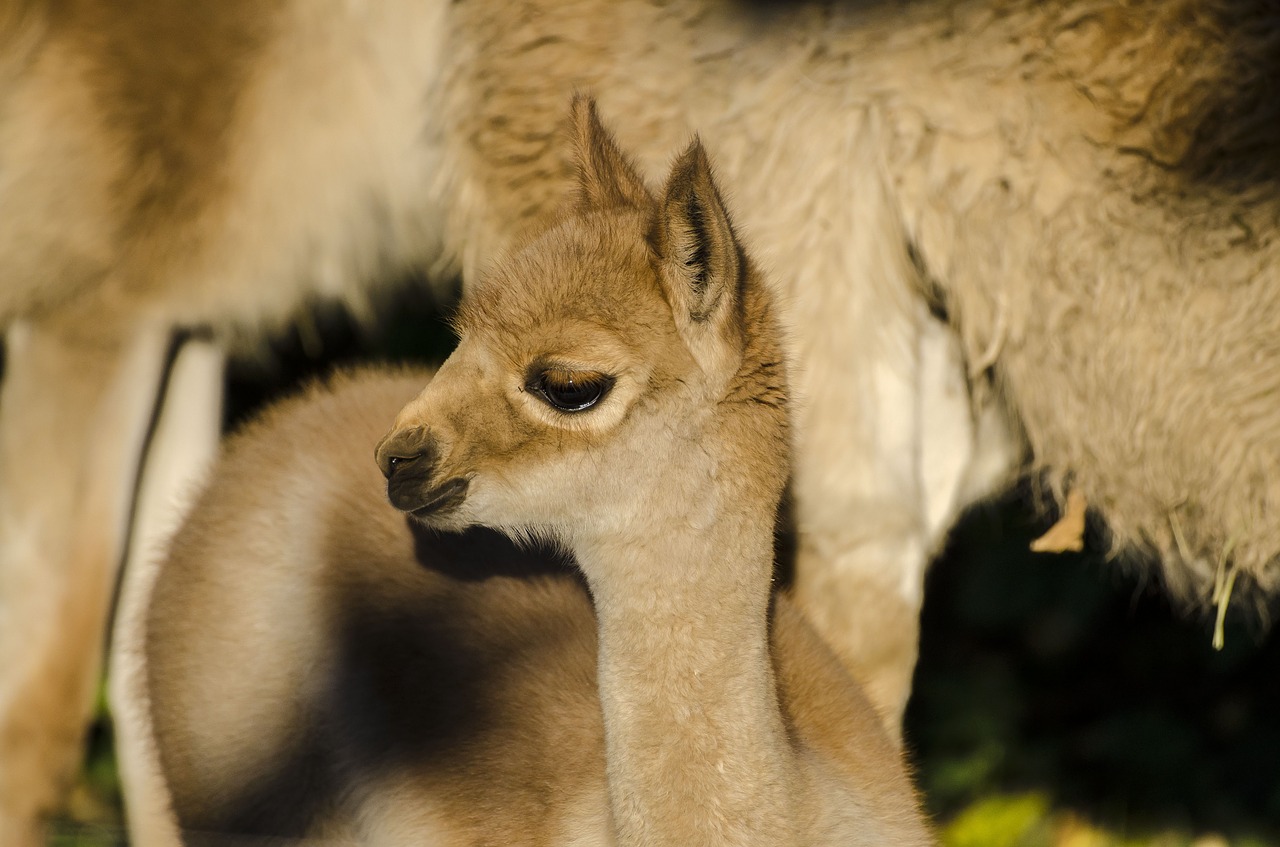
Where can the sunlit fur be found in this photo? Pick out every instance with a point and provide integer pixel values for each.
(321, 665)
(998, 224)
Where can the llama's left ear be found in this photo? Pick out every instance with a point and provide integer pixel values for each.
(702, 266)
(606, 179)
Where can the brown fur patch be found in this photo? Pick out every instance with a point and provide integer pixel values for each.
(166, 78)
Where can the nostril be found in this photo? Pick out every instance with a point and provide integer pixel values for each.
(392, 463)
(409, 459)
(406, 454)
(402, 449)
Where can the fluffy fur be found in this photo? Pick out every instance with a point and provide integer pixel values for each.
(320, 665)
(1084, 189)
(253, 635)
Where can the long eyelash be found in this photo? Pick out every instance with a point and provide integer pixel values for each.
(566, 379)
(561, 380)
(548, 381)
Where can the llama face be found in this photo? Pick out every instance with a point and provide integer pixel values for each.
(565, 349)
(628, 333)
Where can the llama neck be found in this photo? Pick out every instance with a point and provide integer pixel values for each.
(696, 747)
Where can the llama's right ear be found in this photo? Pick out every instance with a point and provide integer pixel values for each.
(605, 178)
(701, 264)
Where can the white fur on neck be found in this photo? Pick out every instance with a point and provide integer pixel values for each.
(687, 684)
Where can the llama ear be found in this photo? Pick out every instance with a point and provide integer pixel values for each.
(605, 178)
(702, 265)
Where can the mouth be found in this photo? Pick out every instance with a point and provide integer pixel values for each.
(442, 499)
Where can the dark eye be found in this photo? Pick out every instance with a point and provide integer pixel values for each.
(568, 390)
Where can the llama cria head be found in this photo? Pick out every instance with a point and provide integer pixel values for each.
(624, 362)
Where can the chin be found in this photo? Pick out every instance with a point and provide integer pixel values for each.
(449, 519)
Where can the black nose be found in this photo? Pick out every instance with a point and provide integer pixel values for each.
(402, 448)
(407, 458)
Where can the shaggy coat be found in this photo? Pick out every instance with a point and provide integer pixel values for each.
(1005, 228)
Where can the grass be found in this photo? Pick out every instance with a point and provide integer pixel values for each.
(1061, 700)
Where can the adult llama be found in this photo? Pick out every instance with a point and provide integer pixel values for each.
(1005, 230)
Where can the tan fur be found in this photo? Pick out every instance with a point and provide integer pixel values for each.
(243, 627)
(157, 168)
(60, 538)
(320, 664)
(1086, 188)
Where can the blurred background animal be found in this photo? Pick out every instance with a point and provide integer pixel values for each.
(1006, 230)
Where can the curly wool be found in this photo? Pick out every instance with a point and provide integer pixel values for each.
(1119, 252)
